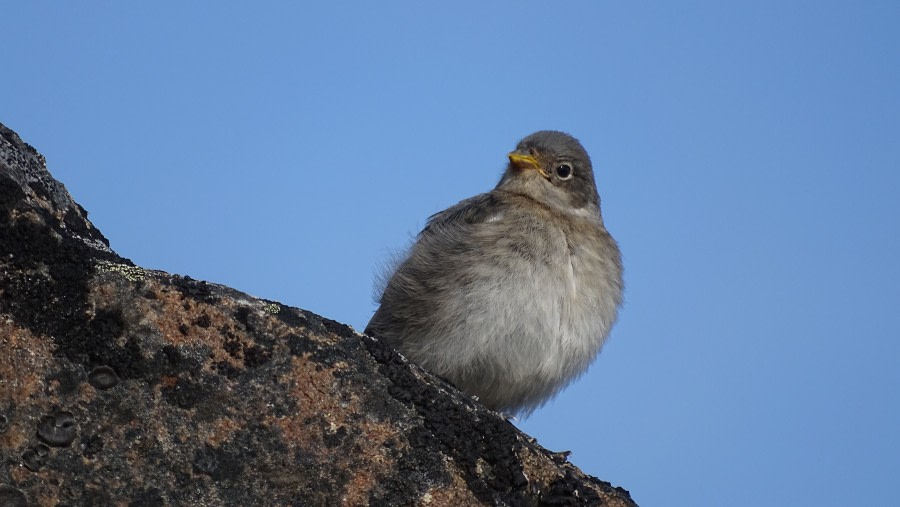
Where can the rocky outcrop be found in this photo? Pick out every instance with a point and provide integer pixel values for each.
(125, 386)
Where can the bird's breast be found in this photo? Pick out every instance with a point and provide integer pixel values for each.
(551, 295)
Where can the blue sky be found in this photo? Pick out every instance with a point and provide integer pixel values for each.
(747, 155)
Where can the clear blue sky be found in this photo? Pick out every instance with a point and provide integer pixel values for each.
(747, 154)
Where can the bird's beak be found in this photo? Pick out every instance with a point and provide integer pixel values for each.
(521, 161)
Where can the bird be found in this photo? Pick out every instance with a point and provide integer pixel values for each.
(510, 294)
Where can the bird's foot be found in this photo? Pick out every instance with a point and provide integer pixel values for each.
(560, 457)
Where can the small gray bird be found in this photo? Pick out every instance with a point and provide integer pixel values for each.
(510, 294)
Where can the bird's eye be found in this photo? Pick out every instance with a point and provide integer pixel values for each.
(563, 171)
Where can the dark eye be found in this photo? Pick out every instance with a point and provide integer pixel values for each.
(563, 171)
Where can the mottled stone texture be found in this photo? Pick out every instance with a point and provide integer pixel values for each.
(123, 386)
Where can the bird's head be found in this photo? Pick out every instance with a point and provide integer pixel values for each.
(554, 169)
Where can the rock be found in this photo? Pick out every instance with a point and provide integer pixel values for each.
(120, 385)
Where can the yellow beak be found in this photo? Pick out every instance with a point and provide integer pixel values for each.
(526, 162)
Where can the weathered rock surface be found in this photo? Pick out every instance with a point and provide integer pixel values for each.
(123, 386)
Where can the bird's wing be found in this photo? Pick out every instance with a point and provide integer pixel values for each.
(474, 210)
(409, 287)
